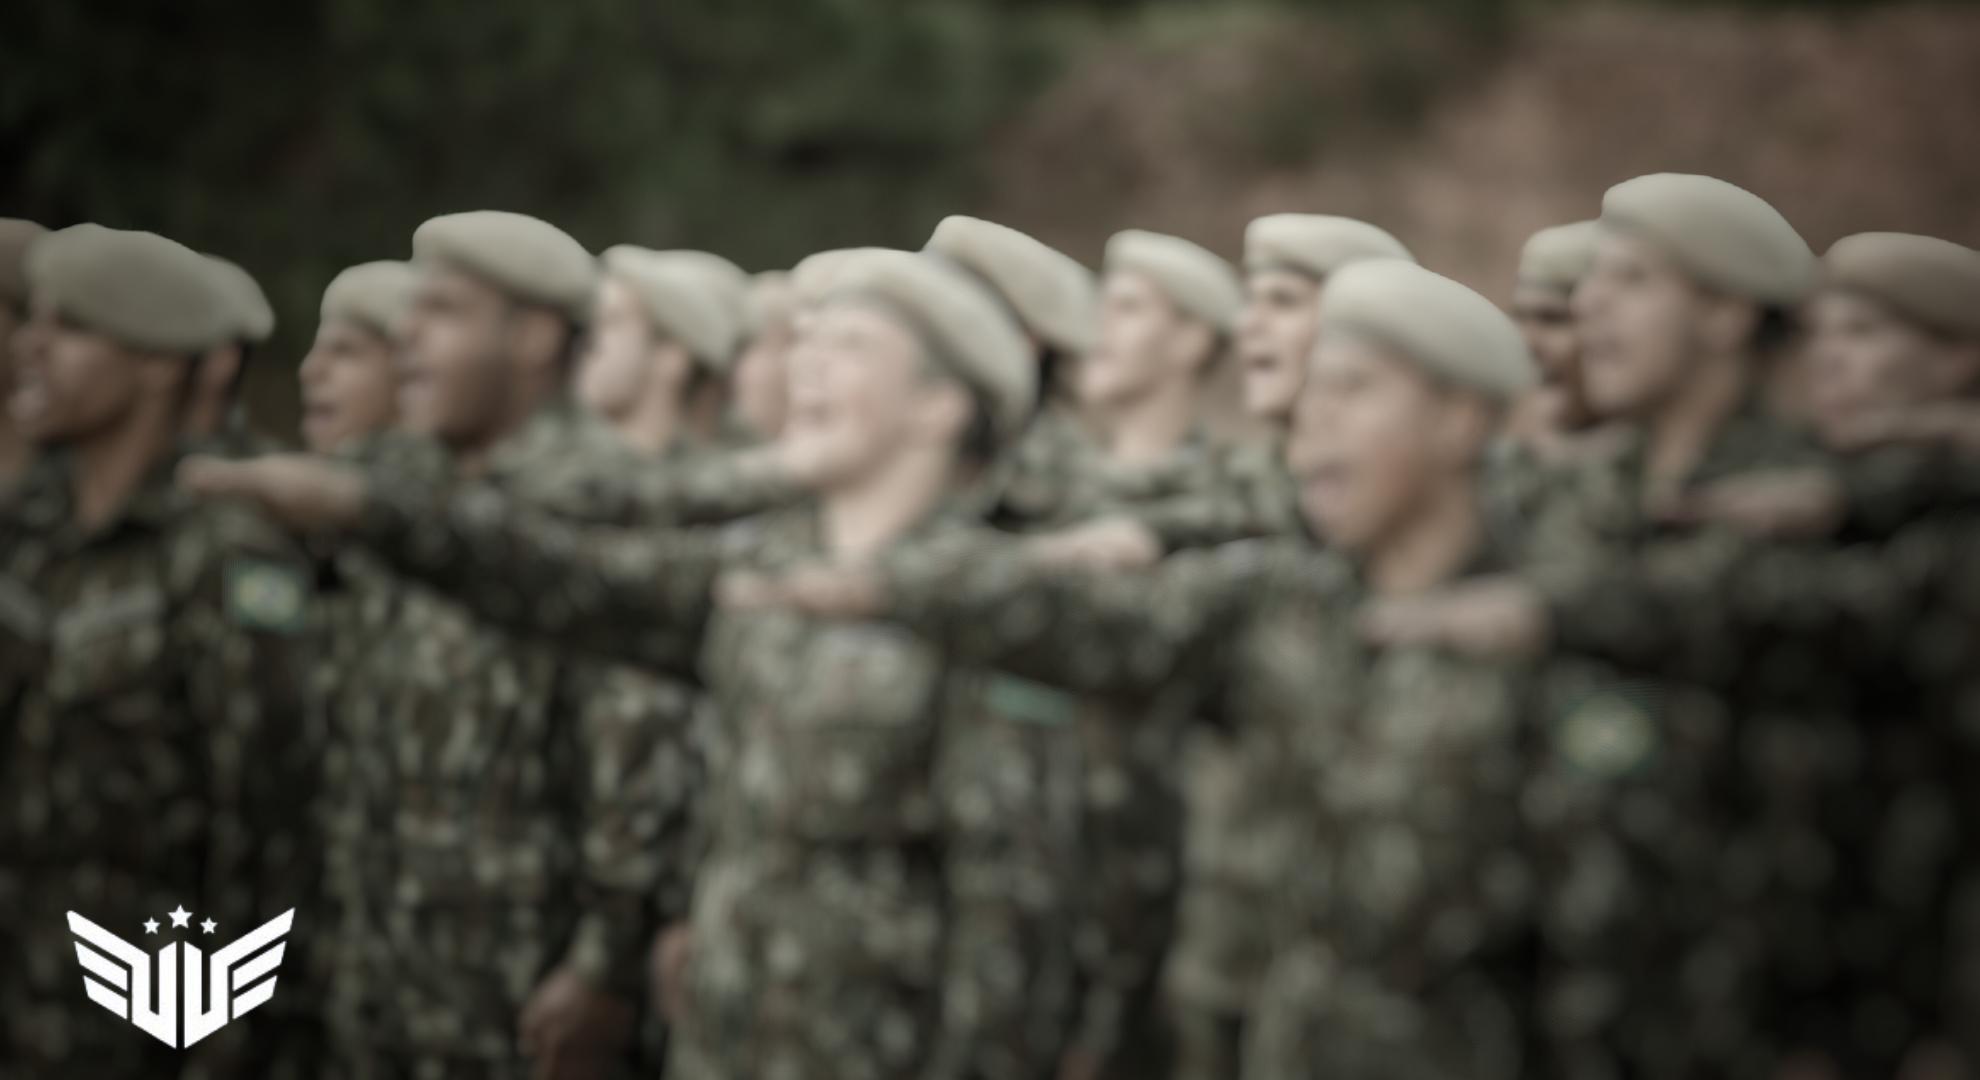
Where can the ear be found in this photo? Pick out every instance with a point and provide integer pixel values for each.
(670, 363)
(538, 335)
(216, 370)
(1952, 368)
(1463, 424)
(1193, 346)
(1726, 324)
(942, 412)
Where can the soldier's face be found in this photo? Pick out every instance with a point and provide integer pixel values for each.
(1372, 435)
(1546, 320)
(761, 380)
(856, 374)
(1863, 358)
(454, 380)
(618, 360)
(1638, 317)
(1281, 319)
(1144, 342)
(350, 384)
(71, 383)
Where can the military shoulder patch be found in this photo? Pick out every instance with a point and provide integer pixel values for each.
(1609, 734)
(265, 595)
(1026, 701)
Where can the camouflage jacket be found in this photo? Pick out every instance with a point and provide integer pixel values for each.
(156, 753)
(882, 891)
(1402, 916)
(1852, 829)
(496, 807)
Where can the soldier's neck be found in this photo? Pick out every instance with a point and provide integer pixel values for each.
(111, 467)
(1153, 426)
(1681, 433)
(1435, 544)
(654, 424)
(863, 518)
(471, 457)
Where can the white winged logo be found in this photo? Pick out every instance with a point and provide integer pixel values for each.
(237, 977)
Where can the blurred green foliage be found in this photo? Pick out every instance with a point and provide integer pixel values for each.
(300, 136)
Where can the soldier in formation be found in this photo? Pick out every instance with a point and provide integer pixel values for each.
(887, 669)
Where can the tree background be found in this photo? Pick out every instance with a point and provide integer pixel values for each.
(302, 136)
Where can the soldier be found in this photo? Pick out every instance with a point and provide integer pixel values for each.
(866, 906)
(1056, 302)
(1398, 928)
(758, 387)
(155, 753)
(1552, 263)
(15, 236)
(1691, 291)
(1894, 331)
(1237, 840)
(1288, 258)
(496, 852)
(215, 415)
(349, 377)
(659, 350)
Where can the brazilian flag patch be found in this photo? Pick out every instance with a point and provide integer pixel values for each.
(1030, 702)
(1610, 734)
(266, 596)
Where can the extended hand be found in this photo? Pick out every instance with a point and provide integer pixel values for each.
(300, 492)
(821, 590)
(573, 1030)
(1779, 504)
(1500, 618)
(1114, 543)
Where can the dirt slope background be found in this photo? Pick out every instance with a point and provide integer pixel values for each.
(1847, 123)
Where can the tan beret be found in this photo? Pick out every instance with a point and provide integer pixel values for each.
(728, 282)
(1725, 236)
(1447, 328)
(960, 320)
(254, 320)
(1933, 282)
(1053, 296)
(137, 288)
(376, 294)
(770, 301)
(528, 258)
(1201, 284)
(15, 236)
(1559, 257)
(1316, 244)
(682, 299)
(815, 275)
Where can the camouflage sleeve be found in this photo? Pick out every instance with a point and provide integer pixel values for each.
(247, 628)
(1713, 608)
(1115, 633)
(706, 491)
(639, 597)
(1887, 489)
(1255, 497)
(639, 777)
(1010, 827)
(244, 623)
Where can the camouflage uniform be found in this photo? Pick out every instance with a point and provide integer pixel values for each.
(1137, 779)
(1399, 921)
(154, 753)
(881, 891)
(1848, 861)
(497, 810)
(1727, 826)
